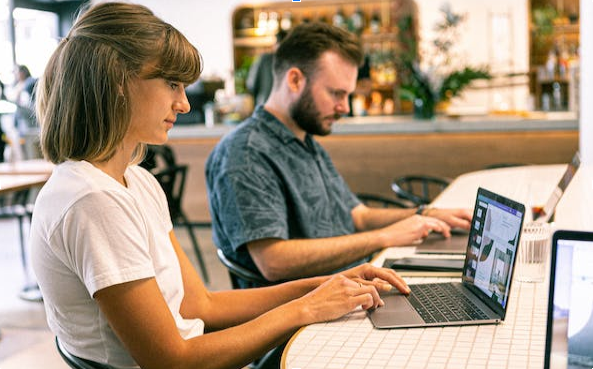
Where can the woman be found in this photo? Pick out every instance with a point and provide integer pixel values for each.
(117, 287)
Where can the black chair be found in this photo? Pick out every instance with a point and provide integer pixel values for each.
(419, 189)
(17, 205)
(74, 361)
(237, 271)
(172, 180)
(379, 201)
(504, 165)
(157, 157)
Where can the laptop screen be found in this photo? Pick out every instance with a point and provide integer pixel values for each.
(569, 338)
(492, 245)
(545, 213)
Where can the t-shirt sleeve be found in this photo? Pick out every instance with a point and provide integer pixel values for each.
(252, 205)
(107, 241)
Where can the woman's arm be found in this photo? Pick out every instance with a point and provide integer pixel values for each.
(220, 309)
(139, 316)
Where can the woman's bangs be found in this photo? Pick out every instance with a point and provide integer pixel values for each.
(180, 60)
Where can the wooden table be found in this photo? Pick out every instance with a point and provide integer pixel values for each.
(32, 166)
(518, 342)
(17, 182)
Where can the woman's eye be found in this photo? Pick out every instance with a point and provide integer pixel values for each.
(174, 85)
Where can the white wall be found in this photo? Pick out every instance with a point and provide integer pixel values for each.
(586, 93)
(207, 24)
(481, 44)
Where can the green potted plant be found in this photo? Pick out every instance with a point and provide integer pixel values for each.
(437, 77)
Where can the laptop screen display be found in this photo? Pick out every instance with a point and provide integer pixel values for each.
(570, 330)
(490, 258)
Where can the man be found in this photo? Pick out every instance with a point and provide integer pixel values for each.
(278, 205)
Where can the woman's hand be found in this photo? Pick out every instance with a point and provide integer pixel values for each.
(345, 291)
(336, 297)
(383, 279)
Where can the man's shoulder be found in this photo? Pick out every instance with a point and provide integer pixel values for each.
(233, 146)
(251, 134)
(239, 136)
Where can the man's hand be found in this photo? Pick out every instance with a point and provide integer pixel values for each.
(411, 231)
(455, 218)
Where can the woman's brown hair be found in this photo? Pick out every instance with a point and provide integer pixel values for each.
(83, 96)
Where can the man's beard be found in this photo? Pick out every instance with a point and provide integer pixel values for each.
(307, 117)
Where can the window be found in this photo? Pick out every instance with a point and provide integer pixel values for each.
(36, 37)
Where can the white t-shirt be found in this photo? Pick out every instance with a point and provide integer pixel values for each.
(90, 232)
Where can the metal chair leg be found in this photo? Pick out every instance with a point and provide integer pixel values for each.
(197, 250)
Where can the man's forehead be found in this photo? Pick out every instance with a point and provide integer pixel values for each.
(337, 70)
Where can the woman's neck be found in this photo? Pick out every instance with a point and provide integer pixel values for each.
(116, 166)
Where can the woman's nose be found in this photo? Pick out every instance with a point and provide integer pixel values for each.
(182, 104)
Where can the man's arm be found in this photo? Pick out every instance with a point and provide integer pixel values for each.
(289, 259)
(366, 218)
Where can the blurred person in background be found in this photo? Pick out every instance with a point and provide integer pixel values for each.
(23, 95)
(260, 78)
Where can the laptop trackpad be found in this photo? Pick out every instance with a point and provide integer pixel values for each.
(397, 311)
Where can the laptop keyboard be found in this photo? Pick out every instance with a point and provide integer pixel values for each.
(441, 302)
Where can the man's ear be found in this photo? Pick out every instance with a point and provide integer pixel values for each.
(295, 79)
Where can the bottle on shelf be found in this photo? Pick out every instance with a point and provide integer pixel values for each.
(286, 22)
(262, 23)
(356, 21)
(273, 23)
(339, 20)
(551, 64)
(375, 23)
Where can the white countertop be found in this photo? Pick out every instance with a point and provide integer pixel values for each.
(407, 124)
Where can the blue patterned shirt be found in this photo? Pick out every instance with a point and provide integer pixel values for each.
(263, 182)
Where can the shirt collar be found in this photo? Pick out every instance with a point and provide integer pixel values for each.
(280, 130)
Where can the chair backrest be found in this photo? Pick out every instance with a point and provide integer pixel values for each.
(419, 189)
(74, 361)
(172, 180)
(15, 204)
(379, 201)
(239, 271)
(158, 157)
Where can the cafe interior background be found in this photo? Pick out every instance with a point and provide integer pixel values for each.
(532, 110)
(528, 112)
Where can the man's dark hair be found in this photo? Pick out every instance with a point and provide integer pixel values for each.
(303, 46)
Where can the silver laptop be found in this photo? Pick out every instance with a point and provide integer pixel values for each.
(482, 295)
(569, 335)
(545, 214)
(435, 243)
